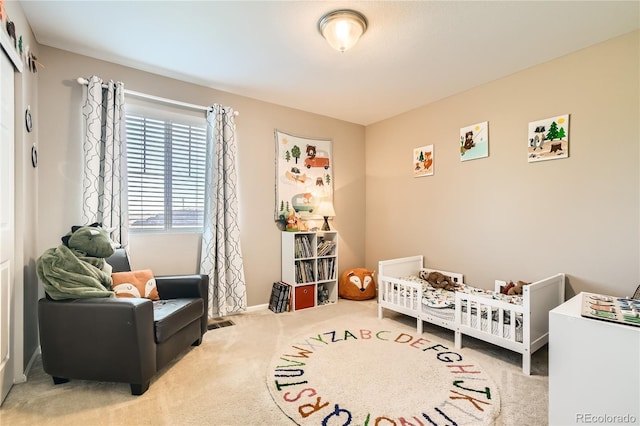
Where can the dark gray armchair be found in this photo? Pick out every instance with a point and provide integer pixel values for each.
(122, 339)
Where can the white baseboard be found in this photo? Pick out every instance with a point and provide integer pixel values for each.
(23, 377)
(255, 308)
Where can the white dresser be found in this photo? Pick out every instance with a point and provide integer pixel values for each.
(594, 369)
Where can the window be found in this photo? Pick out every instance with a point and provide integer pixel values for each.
(166, 162)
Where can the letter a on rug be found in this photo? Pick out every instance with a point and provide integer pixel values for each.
(368, 376)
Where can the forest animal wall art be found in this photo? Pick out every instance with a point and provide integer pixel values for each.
(474, 141)
(423, 161)
(548, 139)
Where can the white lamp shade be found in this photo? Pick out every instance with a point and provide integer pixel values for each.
(326, 209)
(342, 28)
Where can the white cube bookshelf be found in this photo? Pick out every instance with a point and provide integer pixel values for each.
(310, 266)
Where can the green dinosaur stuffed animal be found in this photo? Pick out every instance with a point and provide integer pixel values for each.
(77, 268)
(92, 240)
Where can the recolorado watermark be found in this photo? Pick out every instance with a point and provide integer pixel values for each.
(590, 418)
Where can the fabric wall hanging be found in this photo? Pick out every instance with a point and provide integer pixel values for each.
(304, 175)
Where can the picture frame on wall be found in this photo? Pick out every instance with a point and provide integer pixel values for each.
(304, 175)
(548, 139)
(423, 161)
(474, 141)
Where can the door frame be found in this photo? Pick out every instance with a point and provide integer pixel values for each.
(15, 363)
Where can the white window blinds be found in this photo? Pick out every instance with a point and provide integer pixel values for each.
(166, 163)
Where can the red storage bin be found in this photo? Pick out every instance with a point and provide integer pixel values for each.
(305, 297)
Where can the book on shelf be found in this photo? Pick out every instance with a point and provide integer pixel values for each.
(303, 246)
(326, 269)
(325, 247)
(304, 272)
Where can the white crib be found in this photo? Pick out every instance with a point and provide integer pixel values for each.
(522, 328)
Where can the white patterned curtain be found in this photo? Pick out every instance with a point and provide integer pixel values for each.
(221, 256)
(104, 188)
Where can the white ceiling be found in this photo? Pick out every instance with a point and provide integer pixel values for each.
(413, 53)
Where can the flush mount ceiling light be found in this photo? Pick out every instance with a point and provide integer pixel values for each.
(342, 28)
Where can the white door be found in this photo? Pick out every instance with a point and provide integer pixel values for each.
(7, 227)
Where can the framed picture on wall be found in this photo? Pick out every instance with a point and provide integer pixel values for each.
(423, 161)
(474, 141)
(548, 139)
(304, 175)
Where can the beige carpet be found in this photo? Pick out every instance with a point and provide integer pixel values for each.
(222, 382)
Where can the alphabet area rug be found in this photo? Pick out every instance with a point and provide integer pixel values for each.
(379, 376)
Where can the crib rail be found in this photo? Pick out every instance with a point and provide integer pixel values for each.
(400, 296)
(492, 320)
(399, 293)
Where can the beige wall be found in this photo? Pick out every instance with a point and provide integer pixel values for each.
(499, 217)
(502, 217)
(61, 160)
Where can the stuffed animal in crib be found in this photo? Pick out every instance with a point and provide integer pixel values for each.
(357, 284)
(514, 289)
(438, 280)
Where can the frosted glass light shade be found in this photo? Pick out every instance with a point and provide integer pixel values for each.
(342, 28)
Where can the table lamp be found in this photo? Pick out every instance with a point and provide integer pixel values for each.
(326, 210)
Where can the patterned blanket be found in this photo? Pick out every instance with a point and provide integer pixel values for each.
(441, 298)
